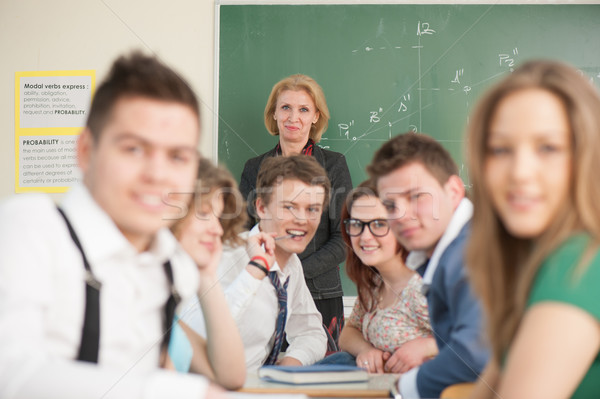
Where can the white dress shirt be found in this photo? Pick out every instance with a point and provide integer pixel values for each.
(253, 304)
(42, 298)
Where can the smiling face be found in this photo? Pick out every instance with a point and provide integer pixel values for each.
(528, 162)
(295, 112)
(372, 250)
(418, 207)
(144, 158)
(201, 230)
(294, 208)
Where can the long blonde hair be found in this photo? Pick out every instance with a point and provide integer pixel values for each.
(502, 267)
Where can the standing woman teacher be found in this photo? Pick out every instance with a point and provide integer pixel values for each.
(297, 112)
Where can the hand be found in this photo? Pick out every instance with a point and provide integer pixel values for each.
(372, 360)
(289, 361)
(210, 265)
(262, 244)
(208, 269)
(411, 354)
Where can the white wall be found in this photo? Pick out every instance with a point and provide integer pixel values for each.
(39, 35)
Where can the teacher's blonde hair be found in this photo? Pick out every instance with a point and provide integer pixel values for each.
(296, 83)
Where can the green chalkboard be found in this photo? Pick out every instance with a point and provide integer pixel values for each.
(385, 69)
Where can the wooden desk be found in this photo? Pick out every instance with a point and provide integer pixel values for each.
(378, 386)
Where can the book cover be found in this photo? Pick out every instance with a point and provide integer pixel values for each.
(316, 374)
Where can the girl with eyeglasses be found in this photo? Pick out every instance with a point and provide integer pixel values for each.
(388, 330)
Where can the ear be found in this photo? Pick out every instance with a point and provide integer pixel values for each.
(456, 190)
(317, 115)
(85, 147)
(260, 208)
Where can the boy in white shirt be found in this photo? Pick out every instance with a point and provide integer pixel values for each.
(292, 192)
(87, 294)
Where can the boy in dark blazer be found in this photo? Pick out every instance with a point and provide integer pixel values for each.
(418, 183)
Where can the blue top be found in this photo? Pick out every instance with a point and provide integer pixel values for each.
(456, 318)
(180, 349)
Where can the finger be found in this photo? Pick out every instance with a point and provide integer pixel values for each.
(378, 363)
(269, 244)
(253, 243)
(396, 367)
(265, 240)
(216, 254)
(363, 363)
(390, 363)
(404, 368)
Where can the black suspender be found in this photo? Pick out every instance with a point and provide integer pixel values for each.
(170, 306)
(90, 334)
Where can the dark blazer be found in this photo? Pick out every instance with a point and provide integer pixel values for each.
(456, 319)
(322, 256)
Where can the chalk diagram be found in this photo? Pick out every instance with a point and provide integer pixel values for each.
(410, 102)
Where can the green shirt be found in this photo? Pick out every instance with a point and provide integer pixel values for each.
(562, 279)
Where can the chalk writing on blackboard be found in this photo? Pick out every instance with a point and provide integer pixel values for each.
(402, 104)
(424, 29)
(459, 73)
(507, 59)
(403, 107)
(375, 116)
(344, 128)
(459, 82)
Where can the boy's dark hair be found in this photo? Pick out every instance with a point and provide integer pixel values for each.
(409, 148)
(138, 75)
(305, 168)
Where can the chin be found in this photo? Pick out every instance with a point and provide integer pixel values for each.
(524, 228)
(295, 248)
(525, 233)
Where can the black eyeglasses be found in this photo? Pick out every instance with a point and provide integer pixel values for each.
(378, 227)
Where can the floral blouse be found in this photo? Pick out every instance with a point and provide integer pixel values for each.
(387, 329)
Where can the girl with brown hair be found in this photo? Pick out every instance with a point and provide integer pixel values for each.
(533, 257)
(389, 329)
(216, 215)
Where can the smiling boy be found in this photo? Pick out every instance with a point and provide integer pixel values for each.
(418, 184)
(87, 292)
(292, 193)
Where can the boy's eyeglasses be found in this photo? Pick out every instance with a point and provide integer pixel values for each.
(378, 227)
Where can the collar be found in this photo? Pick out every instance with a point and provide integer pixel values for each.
(307, 150)
(100, 237)
(461, 216)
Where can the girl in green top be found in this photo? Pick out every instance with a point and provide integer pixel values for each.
(534, 258)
